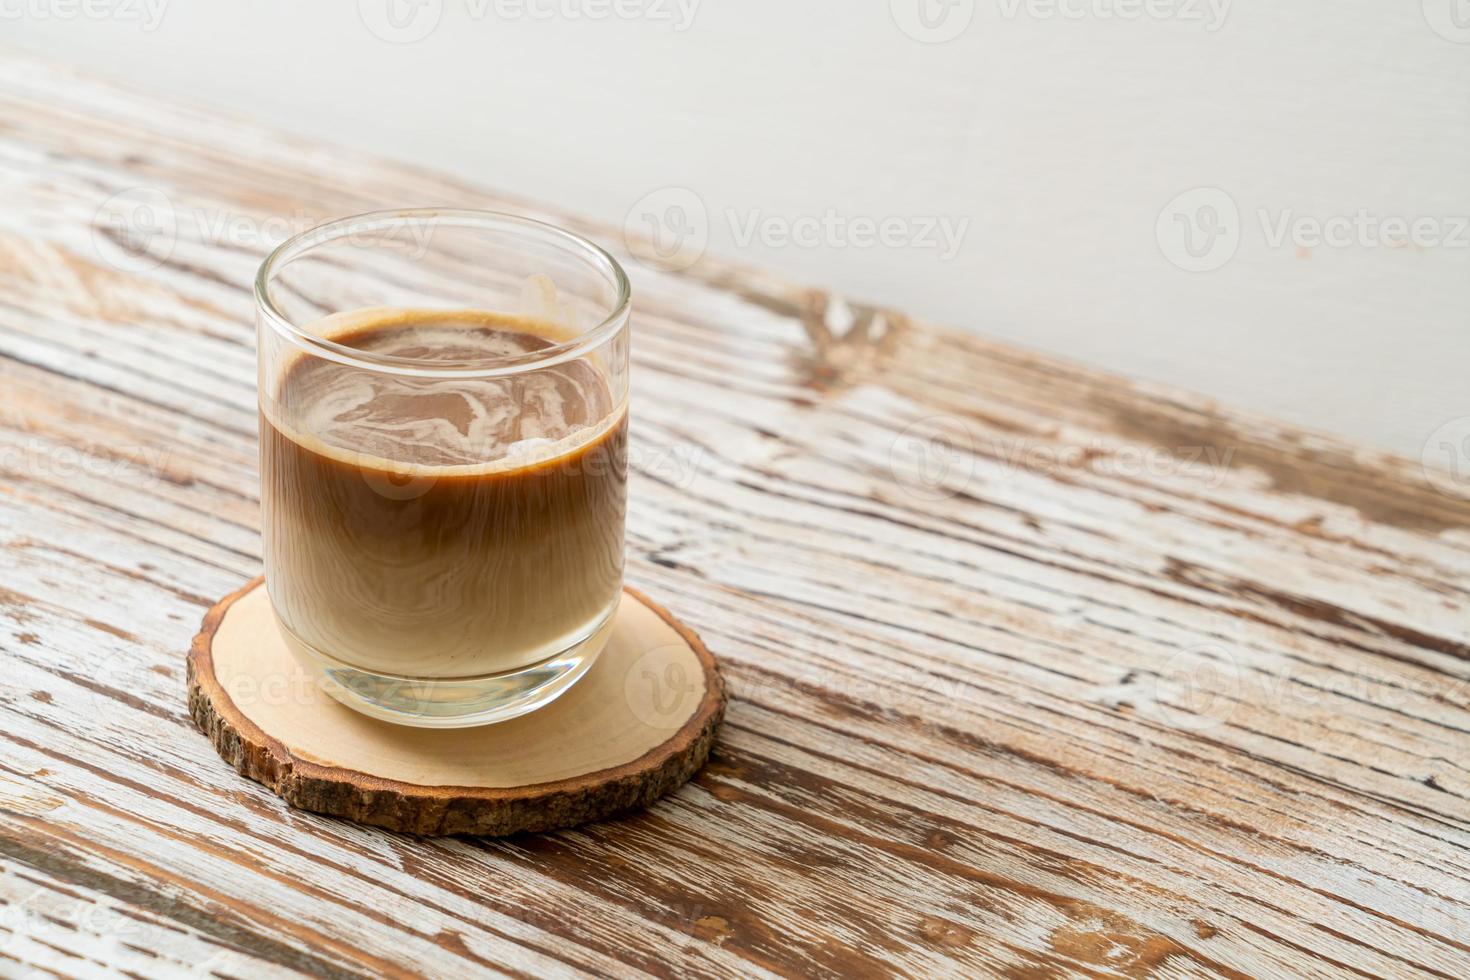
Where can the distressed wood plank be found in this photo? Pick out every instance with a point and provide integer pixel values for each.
(54, 925)
(1032, 669)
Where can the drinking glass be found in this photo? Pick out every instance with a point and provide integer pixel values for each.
(443, 419)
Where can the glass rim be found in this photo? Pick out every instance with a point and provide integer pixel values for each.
(488, 367)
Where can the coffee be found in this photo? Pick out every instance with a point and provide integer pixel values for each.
(442, 528)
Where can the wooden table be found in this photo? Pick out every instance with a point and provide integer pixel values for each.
(1034, 670)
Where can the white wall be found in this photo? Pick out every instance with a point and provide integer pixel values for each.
(1060, 139)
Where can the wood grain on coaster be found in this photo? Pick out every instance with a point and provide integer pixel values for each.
(639, 724)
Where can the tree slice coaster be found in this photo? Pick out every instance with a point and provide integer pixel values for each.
(638, 725)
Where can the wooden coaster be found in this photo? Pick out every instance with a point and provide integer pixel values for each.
(638, 725)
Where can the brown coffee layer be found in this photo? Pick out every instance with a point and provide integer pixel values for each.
(403, 534)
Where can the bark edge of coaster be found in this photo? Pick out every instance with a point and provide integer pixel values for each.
(478, 781)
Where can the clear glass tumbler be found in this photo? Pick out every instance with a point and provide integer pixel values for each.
(443, 430)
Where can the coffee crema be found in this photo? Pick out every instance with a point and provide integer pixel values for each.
(439, 527)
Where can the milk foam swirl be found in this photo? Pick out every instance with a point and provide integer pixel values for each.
(439, 422)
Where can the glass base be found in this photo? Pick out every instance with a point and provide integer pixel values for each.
(459, 702)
